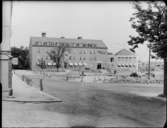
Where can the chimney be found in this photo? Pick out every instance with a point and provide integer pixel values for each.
(79, 37)
(43, 34)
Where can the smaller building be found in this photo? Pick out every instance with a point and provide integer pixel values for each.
(125, 62)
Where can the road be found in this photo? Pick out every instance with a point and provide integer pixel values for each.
(95, 105)
(98, 105)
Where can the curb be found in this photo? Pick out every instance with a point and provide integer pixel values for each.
(31, 101)
(159, 98)
(45, 99)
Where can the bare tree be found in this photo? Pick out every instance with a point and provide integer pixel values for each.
(58, 54)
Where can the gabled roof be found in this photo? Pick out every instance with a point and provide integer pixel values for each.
(124, 52)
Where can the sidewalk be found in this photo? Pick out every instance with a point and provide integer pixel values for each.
(27, 108)
(25, 93)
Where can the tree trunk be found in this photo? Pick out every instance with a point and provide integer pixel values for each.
(165, 78)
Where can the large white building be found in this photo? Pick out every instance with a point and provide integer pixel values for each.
(82, 52)
(91, 54)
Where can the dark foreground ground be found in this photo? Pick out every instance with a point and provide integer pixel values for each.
(90, 105)
(95, 105)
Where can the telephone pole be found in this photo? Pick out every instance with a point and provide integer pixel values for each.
(149, 72)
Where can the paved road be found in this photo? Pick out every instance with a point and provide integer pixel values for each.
(94, 106)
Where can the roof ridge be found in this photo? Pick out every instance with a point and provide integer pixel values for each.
(66, 38)
(124, 49)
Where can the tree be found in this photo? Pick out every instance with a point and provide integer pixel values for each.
(150, 24)
(23, 57)
(58, 55)
(41, 63)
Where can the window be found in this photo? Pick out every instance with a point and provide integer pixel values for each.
(111, 59)
(77, 45)
(74, 45)
(80, 58)
(70, 58)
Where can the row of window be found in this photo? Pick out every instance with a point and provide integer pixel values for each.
(81, 52)
(126, 57)
(125, 65)
(87, 52)
(68, 44)
(81, 58)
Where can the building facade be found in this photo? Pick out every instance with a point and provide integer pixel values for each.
(125, 62)
(111, 63)
(81, 52)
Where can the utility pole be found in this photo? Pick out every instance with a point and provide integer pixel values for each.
(149, 62)
(5, 51)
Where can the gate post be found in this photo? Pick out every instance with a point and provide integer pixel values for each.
(41, 85)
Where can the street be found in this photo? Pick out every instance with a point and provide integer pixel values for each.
(90, 105)
(102, 107)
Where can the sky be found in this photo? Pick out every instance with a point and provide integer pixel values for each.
(107, 21)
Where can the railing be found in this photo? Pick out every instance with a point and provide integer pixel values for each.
(38, 82)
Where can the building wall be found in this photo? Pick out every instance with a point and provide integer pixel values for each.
(126, 64)
(111, 63)
(89, 55)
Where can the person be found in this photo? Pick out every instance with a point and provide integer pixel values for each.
(82, 75)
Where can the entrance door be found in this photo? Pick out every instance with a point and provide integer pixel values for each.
(99, 66)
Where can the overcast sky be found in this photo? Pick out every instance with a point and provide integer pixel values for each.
(107, 21)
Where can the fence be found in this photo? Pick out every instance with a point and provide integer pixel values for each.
(38, 82)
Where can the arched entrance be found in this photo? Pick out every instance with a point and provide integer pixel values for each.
(99, 66)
